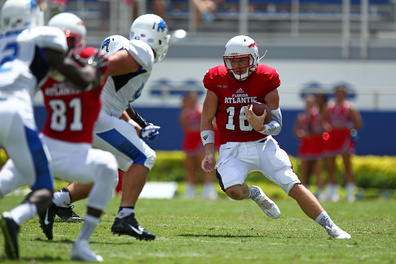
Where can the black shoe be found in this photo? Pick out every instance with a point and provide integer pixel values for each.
(67, 214)
(10, 231)
(47, 220)
(129, 226)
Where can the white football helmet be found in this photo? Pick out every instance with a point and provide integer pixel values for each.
(241, 47)
(20, 14)
(110, 44)
(153, 30)
(74, 29)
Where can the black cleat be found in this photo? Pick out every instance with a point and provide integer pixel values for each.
(67, 214)
(10, 231)
(47, 220)
(129, 226)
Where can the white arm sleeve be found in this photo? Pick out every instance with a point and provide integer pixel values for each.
(275, 126)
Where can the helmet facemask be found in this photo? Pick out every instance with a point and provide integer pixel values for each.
(75, 42)
(240, 71)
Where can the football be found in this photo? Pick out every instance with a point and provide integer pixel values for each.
(258, 109)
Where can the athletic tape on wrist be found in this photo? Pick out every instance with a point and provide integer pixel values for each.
(133, 123)
(207, 136)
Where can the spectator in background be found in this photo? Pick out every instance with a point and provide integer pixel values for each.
(159, 7)
(344, 119)
(57, 6)
(308, 130)
(205, 10)
(190, 119)
(104, 6)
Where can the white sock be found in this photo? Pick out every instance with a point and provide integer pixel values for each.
(90, 223)
(253, 193)
(325, 221)
(61, 198)
(23, 212)
(123, 212)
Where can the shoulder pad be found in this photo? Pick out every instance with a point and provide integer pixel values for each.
(51, 38)
(141, 52)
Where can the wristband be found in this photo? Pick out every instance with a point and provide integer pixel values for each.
(133, 123)
(261, 129)
(207, 136)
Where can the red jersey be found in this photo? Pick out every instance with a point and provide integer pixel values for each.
(71, 114)
(233, 95)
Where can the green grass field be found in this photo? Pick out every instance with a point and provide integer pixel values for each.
(222, 231)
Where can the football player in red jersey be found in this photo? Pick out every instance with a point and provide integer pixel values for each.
(28, 51)
(68, 133)
(119, 128)
(247, 144)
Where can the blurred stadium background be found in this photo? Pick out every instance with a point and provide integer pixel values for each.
(314, 44)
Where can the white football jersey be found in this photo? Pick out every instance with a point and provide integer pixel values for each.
(121, 90)
(22, 65)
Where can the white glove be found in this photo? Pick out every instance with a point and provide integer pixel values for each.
(150, 132)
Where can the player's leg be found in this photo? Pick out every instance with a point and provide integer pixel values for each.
(277, 167)
(64, 198)
(134, 157)
(232, 173)
(101, 167)
(68, 195)
(312, 208)
(28, 164)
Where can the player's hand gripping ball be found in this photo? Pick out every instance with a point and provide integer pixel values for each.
(258, 109)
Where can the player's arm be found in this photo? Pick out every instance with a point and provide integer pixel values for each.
(125, 116)
(121, 62)
(207, 131)
(82, 78)
(136, 117)
(274, 127)
(145, 130)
